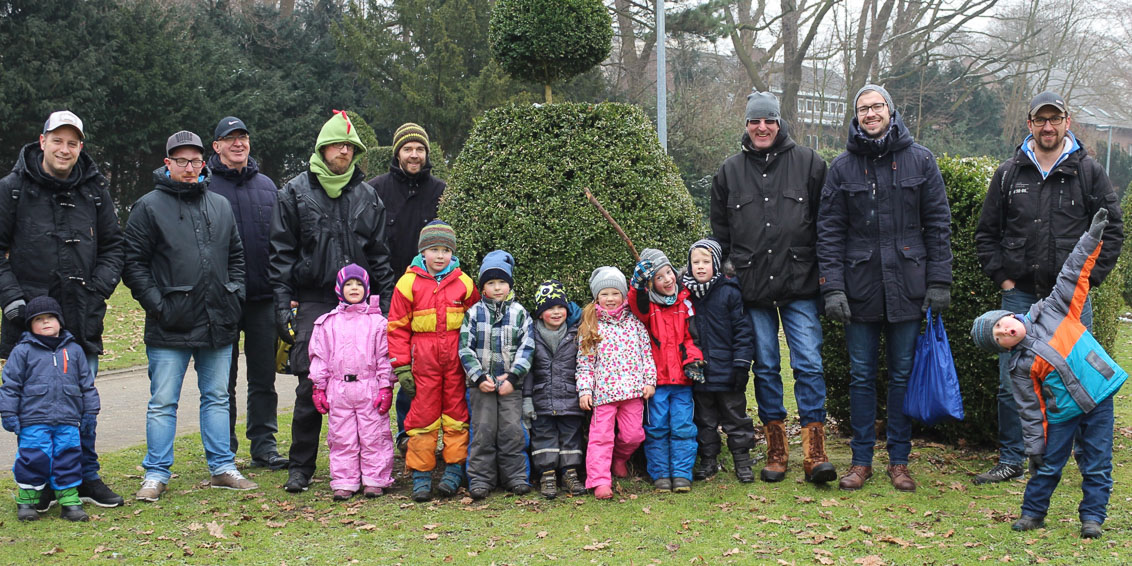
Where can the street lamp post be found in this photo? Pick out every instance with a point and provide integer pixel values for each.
(1108, 148)
(661, 79)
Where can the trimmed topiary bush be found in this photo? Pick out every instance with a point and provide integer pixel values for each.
(972, 294)
(519, 183)
(546, 41)
(1110, 299)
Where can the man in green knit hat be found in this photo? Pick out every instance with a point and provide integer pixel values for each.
(326, 218)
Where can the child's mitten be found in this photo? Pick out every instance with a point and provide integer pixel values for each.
(695, 371)
(319, 398)
(405, 378)
(11, 423)
(642, 274)
(384, 400)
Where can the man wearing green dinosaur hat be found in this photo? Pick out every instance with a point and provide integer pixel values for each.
(326, 218)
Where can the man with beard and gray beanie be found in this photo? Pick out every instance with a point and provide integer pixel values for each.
(884, 257)
(764, 204)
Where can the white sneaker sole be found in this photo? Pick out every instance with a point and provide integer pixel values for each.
(94, 501)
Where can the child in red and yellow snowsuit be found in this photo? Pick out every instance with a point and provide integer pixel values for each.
(428, 305)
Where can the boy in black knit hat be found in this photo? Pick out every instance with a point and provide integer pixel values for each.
(47, 390)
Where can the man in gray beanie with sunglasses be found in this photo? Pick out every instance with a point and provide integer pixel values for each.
(764, 204)
(884, 256)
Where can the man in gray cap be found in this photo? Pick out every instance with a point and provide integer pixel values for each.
(884, 256)
(185, 266)
(236, 177)
(1039, 203)
(79, 266)
(764, 203)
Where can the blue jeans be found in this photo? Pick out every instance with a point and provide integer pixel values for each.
(166, 374)
(1010, 449)
(90, 465)
(863, 342)
(803, 336)
(1093, 432)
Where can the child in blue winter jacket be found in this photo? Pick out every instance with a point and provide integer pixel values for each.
(724, 333)
(47, 390)
(1064, 382)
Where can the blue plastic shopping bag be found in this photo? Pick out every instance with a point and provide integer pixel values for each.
(933, 387)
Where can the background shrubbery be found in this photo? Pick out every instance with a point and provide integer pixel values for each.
(519, 185)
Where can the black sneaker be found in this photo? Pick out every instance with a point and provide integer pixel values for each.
(74, 513)
(296, 482)
(46, 500)
(96, 492)
(1091, 529)
(999, 473)
(272, 461)
(1028, 523)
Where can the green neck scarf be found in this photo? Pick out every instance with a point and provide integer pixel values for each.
(331, 183)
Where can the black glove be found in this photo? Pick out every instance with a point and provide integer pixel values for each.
(284, 322)
(740, 375)
(1036, 461)
(1100, 220)
(938, 298)
(837, 306)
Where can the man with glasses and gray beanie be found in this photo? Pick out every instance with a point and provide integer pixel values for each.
(56, 189)
(185, 266)
(764, 204)
(1038, 203)
(884, 257)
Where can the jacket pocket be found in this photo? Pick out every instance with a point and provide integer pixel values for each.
(861, 281)
(797, 205)
(914, 267)
(1064, 248)
(1014, 257)
(859, 203)
(803, 270)
(177, 312)
(910, 193)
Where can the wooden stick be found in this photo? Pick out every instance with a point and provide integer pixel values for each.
(616, 226)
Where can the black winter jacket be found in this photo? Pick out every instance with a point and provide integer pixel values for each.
(185, 264)
(59, 238)
(884, 228)
(252, 196)
(313, 236)
(552, 383)
(725, 335)
(764, 209)
(1027, 230)
(48, 386)
(410, 203)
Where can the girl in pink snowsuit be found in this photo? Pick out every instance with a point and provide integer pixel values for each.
(353, 381)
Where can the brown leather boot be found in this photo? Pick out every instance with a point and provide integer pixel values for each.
(814, 461)
(776, 452)
(901, 479)
(855, 478)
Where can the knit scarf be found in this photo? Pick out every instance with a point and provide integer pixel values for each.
(666, 300)
(697, 289)
(553, 338)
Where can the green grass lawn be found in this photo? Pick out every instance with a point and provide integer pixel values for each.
(947, 521)
(122, 334)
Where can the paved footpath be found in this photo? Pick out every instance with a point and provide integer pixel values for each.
(124, 394)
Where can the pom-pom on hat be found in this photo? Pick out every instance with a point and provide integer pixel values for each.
(497, 265)
(608, 277)
(982, 331)
(437, 233)
(352, 271)
(551, 293)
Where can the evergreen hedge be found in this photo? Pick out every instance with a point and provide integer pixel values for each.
(518, 184)
(972, 294)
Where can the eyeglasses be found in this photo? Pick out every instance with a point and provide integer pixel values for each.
(340, 146)
(1053, 121)
(182, 162)
(760, 122)
(230, 138)
(876, 108)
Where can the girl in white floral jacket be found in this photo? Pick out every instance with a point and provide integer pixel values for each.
(615, 375)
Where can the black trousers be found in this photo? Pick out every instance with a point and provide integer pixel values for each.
(258, 326)
(306, 421)
(556, 442)
(727, 409)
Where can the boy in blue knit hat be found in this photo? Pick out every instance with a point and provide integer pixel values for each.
(497, 347)
(1063, 382)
